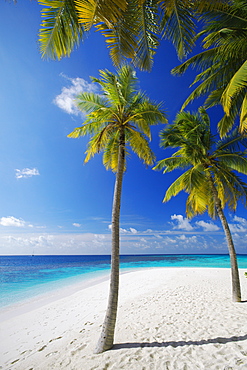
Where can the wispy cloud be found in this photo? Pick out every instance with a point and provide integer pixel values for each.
(26, 172)
(66, 99)
(90, 243)
(76, 224)
(207, 226)
(182, 223)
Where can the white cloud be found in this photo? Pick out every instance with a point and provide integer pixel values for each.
(240, 225)
(76, 224)
(132, 230)
(12, 221)
(188, 239)
(30, 241)
(55, 243)
(89, 243)
(182, 223)
(237, 228)
(240, 220)
(125, 231)
(66, 100)
(26, 172)
(207, 226)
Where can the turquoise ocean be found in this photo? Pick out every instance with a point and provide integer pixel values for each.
(24, 277)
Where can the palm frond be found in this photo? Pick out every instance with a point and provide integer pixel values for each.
(204, 88)
(111, 87)
(198, 200)
(121, 109)
(202, 60)
(234, 161)
(216, 7)
(94, 11)
(121, 36)
(243, 116)
(146, 114)
(212, 165)
(129, 82)
(111, 151)
(220, 15)
(225, 124)
(139, 145)
(176, 187)
(178, 25)
(237, 83)
(89, 102)
(171, 163)
(233, 143)
(90, 127)
(147, 32)
(60, 30)
(99, 141)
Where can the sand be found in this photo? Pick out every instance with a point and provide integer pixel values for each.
(168, 318)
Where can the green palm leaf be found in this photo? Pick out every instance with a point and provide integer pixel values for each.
(211, 179)
(140, 146)
(121, 108)
(88, 102)
(147, 32)
(61, 31)
(243, 116)
(222, 78)
(172, 163)
(178, 25)
(176, 187)
(111, 151)
(237, 83)
(93, 11)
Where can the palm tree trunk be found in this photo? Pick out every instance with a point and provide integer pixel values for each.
(236, 289)
(107, 335)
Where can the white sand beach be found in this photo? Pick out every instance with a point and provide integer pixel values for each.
(168, 318)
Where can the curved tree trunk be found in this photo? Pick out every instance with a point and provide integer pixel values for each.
(107, 335)
(236, 289)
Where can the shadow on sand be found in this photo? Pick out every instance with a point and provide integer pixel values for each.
(218, 340)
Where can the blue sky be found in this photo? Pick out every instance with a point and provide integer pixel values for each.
(50, 202)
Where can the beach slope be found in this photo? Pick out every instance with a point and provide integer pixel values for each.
(168, 318)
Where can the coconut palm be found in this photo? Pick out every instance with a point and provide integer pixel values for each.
(210, 176)
(118, 120)
(132, 28)
(223, 65)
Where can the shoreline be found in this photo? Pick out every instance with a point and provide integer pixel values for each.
(167, 318)
(71, 286)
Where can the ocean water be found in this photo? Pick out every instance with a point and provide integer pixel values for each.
(24, 277)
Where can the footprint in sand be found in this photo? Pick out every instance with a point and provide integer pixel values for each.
(52, 340)
(13, 362)
(42, 348)
(51, 354)
(78, 349)
(27, 351)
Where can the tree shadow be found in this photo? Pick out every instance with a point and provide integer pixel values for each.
(218, 340)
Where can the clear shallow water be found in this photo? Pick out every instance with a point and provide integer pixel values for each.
(23, 277)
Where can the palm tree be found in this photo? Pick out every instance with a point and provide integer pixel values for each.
(117, 120)
(223, 65)
(210, 176)
(132, 28)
